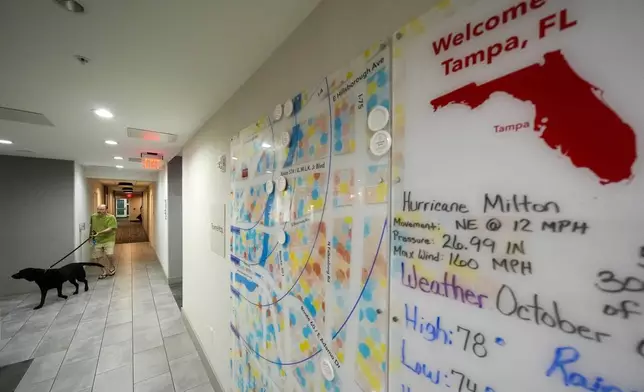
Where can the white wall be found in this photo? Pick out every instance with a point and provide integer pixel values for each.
(160, 241)
(335, 33)
(82, 210)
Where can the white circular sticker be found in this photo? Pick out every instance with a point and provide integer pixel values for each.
(281, 183)
(378, 118)
(270, 186)
(286, 139)
(277, 113)
(380, 143)
(327, 369)
(281, 237)
(288, 108)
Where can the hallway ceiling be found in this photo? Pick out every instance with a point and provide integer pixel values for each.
(160, 65)
(137, 186)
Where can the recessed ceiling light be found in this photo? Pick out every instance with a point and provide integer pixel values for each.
(119, 167)
(266, 145)
(103, 113)
(111, 142)
(2, 141)
(118, 158)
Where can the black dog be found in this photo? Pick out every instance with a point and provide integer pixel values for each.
(55, 277)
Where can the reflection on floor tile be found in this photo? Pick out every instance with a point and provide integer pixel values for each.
(43, 368)
(44, 386)
(76, 376)
(188, 372)
(115, 356)
(178, 346)
(119, 379)
(125, 334)
(162, 383)
(202, 388)
(150, 363)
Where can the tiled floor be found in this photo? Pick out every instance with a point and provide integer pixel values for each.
(125, 334)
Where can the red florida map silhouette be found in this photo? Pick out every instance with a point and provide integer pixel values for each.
(574, 118)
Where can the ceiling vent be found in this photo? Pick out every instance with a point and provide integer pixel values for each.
(152, 136)
(23, 116)
(126, 184)
(136, 160)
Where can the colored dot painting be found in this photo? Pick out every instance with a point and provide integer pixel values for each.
(341, 244)
(303, 234)
(309, 263)
(377, 187)
(372, 359)
(254, 203)
(343, 127)
(343, 192)
(312, 139)
(378, 90)
(309, 194)
(266, 162)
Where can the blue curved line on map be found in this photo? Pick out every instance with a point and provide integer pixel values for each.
(250, 285)
(263, 258)
(269, 202)
(235, 260)
(269, 207)
(326, 198)
(265, 252)
(265, 214)
(344, 323)
(296, 136)
(296, 133)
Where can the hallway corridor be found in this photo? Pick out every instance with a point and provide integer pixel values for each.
(125, 334)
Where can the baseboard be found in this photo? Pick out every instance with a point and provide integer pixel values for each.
(195, 339)
(175, 280)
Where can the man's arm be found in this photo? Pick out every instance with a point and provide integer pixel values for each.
(113, 223)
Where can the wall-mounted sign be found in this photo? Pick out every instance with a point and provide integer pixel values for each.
(218, 229)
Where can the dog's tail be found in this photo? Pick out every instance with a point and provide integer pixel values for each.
(92, 265)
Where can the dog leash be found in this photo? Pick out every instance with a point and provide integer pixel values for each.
(75, 249)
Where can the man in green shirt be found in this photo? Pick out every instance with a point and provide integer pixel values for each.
(103, 228)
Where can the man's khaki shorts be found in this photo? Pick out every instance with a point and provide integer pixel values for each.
(101, 250)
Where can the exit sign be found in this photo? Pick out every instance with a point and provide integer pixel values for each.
(152, 163)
